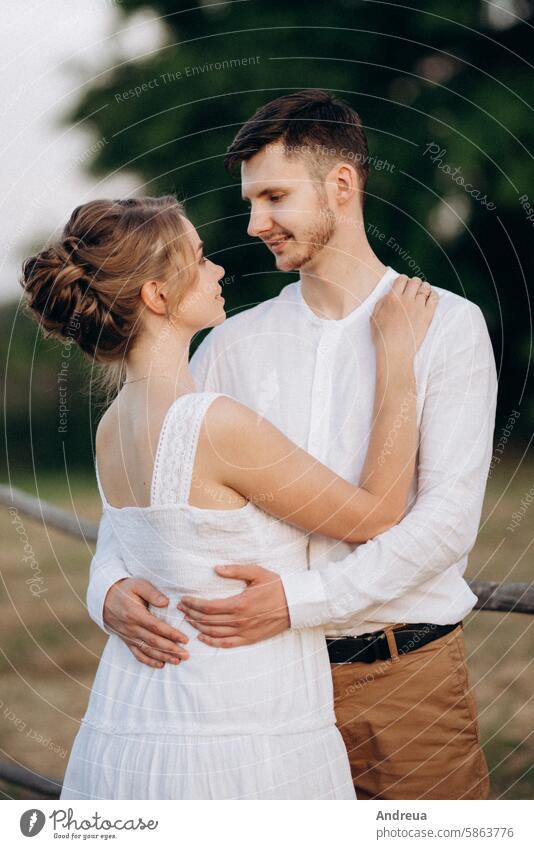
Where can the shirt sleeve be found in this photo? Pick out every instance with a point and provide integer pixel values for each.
(107, 567)
(455, 445)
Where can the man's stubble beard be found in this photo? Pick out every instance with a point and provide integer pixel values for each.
(319, 234)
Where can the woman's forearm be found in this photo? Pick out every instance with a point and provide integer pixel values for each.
(390, 460)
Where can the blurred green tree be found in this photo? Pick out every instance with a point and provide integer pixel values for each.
(445, 94)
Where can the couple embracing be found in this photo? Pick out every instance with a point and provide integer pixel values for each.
(286, 517)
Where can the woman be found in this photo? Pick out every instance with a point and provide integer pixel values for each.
(191, 478)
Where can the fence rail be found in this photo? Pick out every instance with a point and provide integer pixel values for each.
(48, 514)
(21, 776)
(491, 595)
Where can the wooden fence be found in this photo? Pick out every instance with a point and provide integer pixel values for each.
(491, 595)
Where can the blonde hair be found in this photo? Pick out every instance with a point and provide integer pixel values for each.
(85, 285)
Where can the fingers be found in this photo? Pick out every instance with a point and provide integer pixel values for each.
(424, 291)
(149, 592)
(222, 642)
(221, 606)
(154, 642)
(400, 284)
(420, 291)
(432, 301)
(132, 611)
(195, 617)
(162, 656)
(156, 626)
(242, 572)
(412, 287)
(142, 658)
(216, 631)
(154, 654)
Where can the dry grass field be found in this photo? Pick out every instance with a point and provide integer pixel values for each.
(49, 647)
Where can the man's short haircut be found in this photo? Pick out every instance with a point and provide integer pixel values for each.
(311, 124)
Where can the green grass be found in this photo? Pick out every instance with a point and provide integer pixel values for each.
(49, 647)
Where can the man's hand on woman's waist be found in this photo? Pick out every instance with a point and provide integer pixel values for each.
(257, 613)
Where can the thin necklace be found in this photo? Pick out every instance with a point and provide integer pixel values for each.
(153, 377)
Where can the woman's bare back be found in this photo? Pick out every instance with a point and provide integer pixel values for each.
(126, 445)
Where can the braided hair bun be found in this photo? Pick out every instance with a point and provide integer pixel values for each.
(85, 286)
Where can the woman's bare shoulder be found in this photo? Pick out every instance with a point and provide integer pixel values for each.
(227, 417)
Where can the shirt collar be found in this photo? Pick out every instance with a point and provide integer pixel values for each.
(294, 291)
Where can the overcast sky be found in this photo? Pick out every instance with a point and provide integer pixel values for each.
(49, 50)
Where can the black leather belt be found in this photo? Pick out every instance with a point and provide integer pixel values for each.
(370, 647)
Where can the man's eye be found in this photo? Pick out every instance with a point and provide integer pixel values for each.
(202, 260)
(275, 198)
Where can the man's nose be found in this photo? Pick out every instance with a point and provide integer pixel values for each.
(259, 222)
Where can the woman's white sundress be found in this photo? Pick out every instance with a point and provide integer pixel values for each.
(252, 722)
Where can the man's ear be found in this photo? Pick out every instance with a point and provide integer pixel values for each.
(154, 296)
(344, 180)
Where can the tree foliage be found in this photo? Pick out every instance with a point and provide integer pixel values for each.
(444, 91)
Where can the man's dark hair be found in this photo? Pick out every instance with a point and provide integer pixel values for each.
(312, 124)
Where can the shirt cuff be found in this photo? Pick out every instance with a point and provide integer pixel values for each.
(100, 582)
(306, 599)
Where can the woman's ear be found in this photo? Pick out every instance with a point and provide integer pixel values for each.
(154, 296)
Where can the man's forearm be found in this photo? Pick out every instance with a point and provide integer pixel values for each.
(107, 568)
(387, 474)
(103, 575)
(384, 569)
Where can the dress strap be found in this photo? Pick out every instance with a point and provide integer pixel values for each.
(175, 456)
(101, 491)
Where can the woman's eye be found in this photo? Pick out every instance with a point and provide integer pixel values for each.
(202, 260)
(275, 198)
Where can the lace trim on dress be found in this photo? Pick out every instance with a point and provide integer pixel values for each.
(175, 456)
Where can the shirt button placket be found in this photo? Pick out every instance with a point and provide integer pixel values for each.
(321, 388)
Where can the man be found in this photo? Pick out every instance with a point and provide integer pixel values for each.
(392, 608)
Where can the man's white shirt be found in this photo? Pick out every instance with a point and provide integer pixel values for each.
(314, 379)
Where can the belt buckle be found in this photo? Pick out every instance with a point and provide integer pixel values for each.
(375, 644)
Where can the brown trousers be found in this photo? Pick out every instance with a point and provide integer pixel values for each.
(410, 724)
